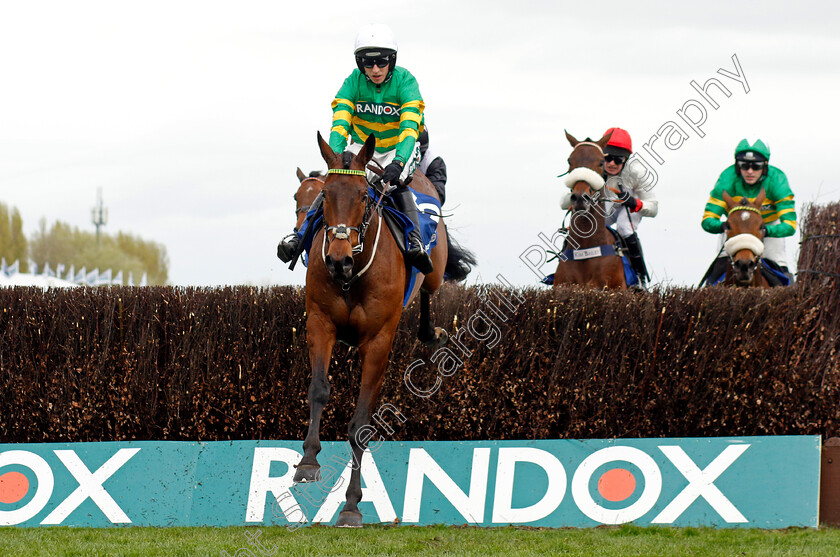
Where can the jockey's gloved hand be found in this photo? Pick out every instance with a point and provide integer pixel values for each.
(392, 173)
(346, 158)
(630, 202)
(724, 226)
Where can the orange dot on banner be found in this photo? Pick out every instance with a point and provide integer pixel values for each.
(13, 487)
(617, 484)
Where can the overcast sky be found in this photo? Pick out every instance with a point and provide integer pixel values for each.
(192, 116)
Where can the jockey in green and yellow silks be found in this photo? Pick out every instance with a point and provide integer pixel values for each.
(392, 110)
(382, 99)
(750, 173)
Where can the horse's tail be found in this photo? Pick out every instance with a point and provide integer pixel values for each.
(459, 262)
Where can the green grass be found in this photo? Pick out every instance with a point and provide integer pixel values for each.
(408, 540)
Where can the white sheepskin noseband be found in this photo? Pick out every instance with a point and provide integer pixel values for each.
(581, 174)
(744, 241)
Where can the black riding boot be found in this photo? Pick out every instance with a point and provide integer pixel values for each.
(414, 252)
(290, 248)
(637, 259)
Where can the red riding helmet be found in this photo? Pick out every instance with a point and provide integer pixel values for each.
(620, 143)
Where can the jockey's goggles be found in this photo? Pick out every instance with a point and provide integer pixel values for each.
(382, 62)
(746, 165)
(615, 159)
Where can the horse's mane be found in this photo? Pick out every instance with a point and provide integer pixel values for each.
(316, 174)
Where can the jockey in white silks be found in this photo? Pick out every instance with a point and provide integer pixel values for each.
(634, 199)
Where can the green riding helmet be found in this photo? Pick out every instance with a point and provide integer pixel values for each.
(758, 151)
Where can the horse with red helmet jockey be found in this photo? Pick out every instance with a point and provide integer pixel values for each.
(591, 255)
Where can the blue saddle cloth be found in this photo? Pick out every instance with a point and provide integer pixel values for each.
(630, 276)
(768, 271)
(428, 209)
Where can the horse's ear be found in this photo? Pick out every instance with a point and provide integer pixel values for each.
(728, 200)
(332, 160)
(602, 143)
(571, 139)
(301, 176)
(759, 201)
(366, 152)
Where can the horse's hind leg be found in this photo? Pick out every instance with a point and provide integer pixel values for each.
(428, 334)
(374, 356)
(321, 340)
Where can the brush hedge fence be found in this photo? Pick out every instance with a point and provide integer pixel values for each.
(167, 363)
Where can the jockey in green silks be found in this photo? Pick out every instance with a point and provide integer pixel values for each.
(750, 173)
(383, 99)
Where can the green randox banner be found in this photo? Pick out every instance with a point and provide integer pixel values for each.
(755, 482)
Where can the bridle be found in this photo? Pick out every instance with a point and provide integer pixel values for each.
(744, 241)
(342, 231)
(583, 174)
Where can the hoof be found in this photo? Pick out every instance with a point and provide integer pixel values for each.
(349, 519)
(307, 473)
(441, 337)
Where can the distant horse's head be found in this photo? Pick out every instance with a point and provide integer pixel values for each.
(586, 167)
(745, 236)
(345, 207)
(310, 187)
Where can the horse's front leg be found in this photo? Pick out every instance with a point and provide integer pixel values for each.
(374, 355)
(320, 335)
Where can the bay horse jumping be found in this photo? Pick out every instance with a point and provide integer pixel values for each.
(744, 241)
(589, 256)
(355, 284)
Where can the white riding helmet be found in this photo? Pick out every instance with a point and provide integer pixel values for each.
(375, 39)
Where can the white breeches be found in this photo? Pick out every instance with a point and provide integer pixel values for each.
(621, 222)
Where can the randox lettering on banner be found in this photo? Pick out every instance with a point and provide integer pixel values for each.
(756, 482)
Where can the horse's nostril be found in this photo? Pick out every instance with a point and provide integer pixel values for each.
(347, 262)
